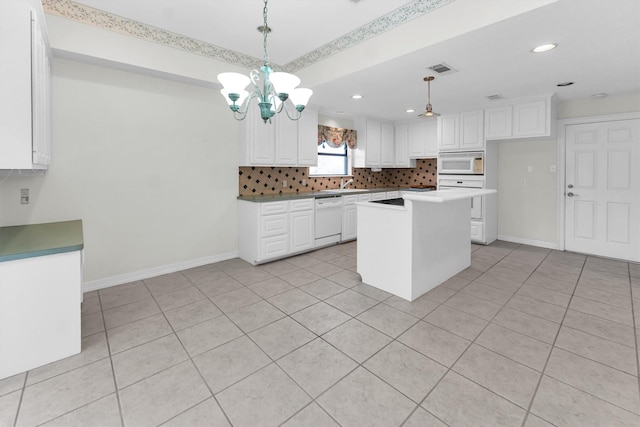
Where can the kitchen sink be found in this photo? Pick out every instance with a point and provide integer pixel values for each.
(344, 190)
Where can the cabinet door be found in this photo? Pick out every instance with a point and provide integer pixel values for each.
(472, 130)
(497, 122)
(530, 119)
(272, 225)
(259, 139)
(431, 127)
(401, 139)
(273, 247)
(349, 222)
(301, 231)
(386, 145)
(373, 137)
(448, 132)
(417, 134)
(308, 138)
(286, 140)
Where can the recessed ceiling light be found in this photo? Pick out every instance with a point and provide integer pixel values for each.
(410, 110)
(544, 47)
(356, 96)
(564, 84)
(599, 95)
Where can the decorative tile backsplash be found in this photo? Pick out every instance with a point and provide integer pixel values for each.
(254, 181)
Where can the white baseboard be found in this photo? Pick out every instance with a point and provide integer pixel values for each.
(539, 243)
(155, 271)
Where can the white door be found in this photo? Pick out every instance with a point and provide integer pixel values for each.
(602, 195)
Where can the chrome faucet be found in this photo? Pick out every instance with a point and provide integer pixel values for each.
(343, 184)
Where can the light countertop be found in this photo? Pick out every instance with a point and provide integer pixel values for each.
(28, 241)
(327, 193)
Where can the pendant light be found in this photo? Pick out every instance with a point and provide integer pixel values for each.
(429, 112)
(271, 89)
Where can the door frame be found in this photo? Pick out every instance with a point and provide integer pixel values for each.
(561, 161)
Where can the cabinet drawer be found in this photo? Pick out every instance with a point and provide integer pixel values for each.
(477, 231)
(378, 196)
(393, 194)
(273, 247)
(273, 208)
(349, 200)
(273, 225)
(364, 197)
(301, 205)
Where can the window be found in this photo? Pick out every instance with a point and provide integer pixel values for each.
(331, 161)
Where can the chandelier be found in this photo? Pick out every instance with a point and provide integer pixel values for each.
(429, 112)
(271, 88)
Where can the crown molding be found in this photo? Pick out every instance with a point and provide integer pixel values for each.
(69, 9)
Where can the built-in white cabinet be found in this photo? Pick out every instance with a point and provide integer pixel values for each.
(423, 139)
(401, 141)
(461, 131)
(349, 218)
(283, 142)
(376, 146)
(387, 146)
(524, 118)
(274, 230)
(25, 86)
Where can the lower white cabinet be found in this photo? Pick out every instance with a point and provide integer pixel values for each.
(349, 218)
(273, 230)
(477, 231)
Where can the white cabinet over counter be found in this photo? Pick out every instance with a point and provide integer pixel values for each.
(283, 142)
(25, 86)
(461, 131)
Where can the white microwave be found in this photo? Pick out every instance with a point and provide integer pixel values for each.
(462, 163)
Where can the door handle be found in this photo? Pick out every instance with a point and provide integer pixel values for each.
(570, 194)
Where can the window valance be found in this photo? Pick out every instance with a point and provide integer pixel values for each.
(336, 137)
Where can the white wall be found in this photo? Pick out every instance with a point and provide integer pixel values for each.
(149, 165)
(528, 213)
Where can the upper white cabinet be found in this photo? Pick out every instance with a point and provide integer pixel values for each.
(375, 144)
(283, 142)
(525, 118)
(308, 138)
(423, 138)
(25, 86)
(461, 131)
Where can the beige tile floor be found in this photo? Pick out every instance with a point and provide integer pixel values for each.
(524, 337)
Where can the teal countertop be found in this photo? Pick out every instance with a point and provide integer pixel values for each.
(314, 194)
(28, 241)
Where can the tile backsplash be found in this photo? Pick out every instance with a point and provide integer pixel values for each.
(267, 180)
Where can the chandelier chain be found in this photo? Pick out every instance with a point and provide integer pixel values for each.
(265, 31)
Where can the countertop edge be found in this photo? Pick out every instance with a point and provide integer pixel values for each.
(36, 240)
(39, 253)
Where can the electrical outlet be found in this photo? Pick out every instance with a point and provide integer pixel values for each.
(529, 168)
(552, 168)
(523, 181)
(304, 182)
(24, 196)
(284, 183)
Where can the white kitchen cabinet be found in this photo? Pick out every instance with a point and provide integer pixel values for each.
(378, 196)
(283, 142)
(387, 146)
(308, 138)
(375, 144)
(25, 86)
(349, 218)
(286, 143)
(497, 122)
(524, 118)
(461, 131)
(273, 230)
(423, 139)
(401, 142)
(301, 225)
(393, 194)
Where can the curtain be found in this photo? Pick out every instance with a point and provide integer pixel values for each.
(336, 137)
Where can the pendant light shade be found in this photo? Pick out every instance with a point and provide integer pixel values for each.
(429, 109)
(271, 89)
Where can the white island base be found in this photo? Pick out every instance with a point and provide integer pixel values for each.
(409, 250)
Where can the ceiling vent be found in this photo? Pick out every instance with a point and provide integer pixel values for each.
(443, 68)
(495, 97)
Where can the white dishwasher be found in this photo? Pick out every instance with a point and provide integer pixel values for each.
(328, 220)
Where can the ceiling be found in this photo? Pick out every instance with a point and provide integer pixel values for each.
(598, 48)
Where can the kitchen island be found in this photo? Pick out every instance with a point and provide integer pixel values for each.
(410, 249)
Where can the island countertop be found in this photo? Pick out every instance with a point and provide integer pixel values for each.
(28, 241)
